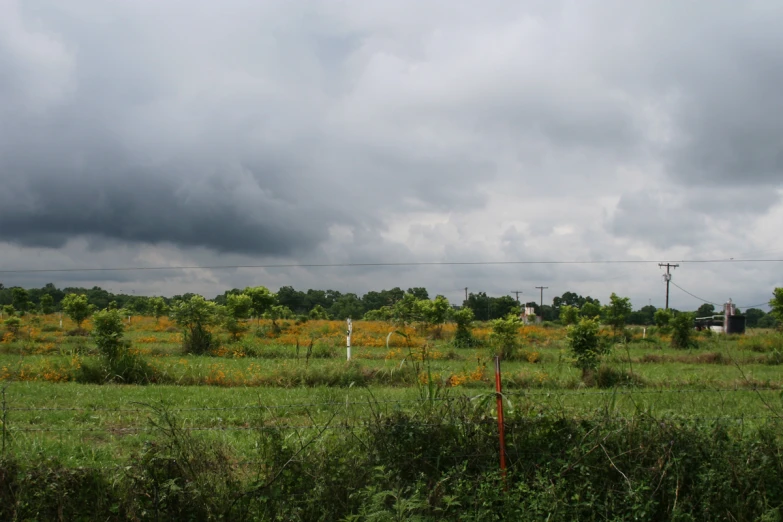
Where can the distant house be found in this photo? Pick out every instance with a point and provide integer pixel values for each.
(529, 316)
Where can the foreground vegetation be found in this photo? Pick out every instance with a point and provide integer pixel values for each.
(212, 414)
(437, 461)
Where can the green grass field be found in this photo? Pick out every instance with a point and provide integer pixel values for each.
(301, 378)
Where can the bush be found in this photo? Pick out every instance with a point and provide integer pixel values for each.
(117, 363)
(12, 325)
(682, 331)
(463, 338)
(505, 336)
(195, 317)
(108, 329)
(609, 377)
(586, 344)
(436, 464)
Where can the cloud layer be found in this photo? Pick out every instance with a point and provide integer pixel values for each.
(198, 132)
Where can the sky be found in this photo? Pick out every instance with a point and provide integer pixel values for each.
(200, 133)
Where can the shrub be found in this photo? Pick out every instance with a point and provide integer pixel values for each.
(118, 364)
(195, 316)
(463, 338)
(108, 329)
(505, 336)
(682, 331)
(609, 377)
(568, 315)
(12, 325)
(586, 345)
(77, 308)
(318, 313)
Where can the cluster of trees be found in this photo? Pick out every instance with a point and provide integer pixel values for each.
(332, 304)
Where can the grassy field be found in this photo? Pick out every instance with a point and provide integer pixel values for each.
(299, 377)
(278, 425)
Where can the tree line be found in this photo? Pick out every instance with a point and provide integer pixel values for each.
(333, 304)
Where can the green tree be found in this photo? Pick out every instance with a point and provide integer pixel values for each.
(238, 308)
(9, 310)
(158, 308)
(347, 306)
(277, 312)
(682, 331)
(420, 293)
(662, 318)
(195, 316)
(407, 311)
(21, 300)
(705, 310)
(12, 324)
(77, 308)
(47, 304)
(118, 362)
(261, 298)
(318, 313)
(463, 318)
(435, 313)
(293, 299)
(776, 305)
(616, 312)
(383, 313)
(589, 309)
(568, 315)
(585, 344)
(108, 329)
(505, 336)
(768, 321)
(753, 316)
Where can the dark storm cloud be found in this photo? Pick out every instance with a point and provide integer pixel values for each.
(197, 132)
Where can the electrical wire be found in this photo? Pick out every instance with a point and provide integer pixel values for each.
(350, 265)
(696, 296)
(766, 303)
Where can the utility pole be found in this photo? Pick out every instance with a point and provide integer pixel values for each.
(466, 293)
(517, 292)
(542, 288)
(667, 277)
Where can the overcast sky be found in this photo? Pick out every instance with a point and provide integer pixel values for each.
(144, 133)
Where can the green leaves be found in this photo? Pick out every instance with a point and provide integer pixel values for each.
(108, 331)
(261, 298)
(569, 315)
(77, 308)
(195, 316)
(615, 313)
(776, 305)
(682, 331)
(505, 335)
(585, 344)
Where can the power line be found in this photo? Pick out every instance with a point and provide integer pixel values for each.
(349, 265)
(765, 303)
(696, 296)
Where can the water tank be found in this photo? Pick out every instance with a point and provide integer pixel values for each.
(735, 324)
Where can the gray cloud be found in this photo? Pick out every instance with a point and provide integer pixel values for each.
(197, 132)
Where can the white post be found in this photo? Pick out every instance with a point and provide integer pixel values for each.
(644, 333)
(350, 329)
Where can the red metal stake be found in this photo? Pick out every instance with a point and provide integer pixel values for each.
(501, 428)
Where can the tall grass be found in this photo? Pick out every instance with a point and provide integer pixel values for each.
(436, 463)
